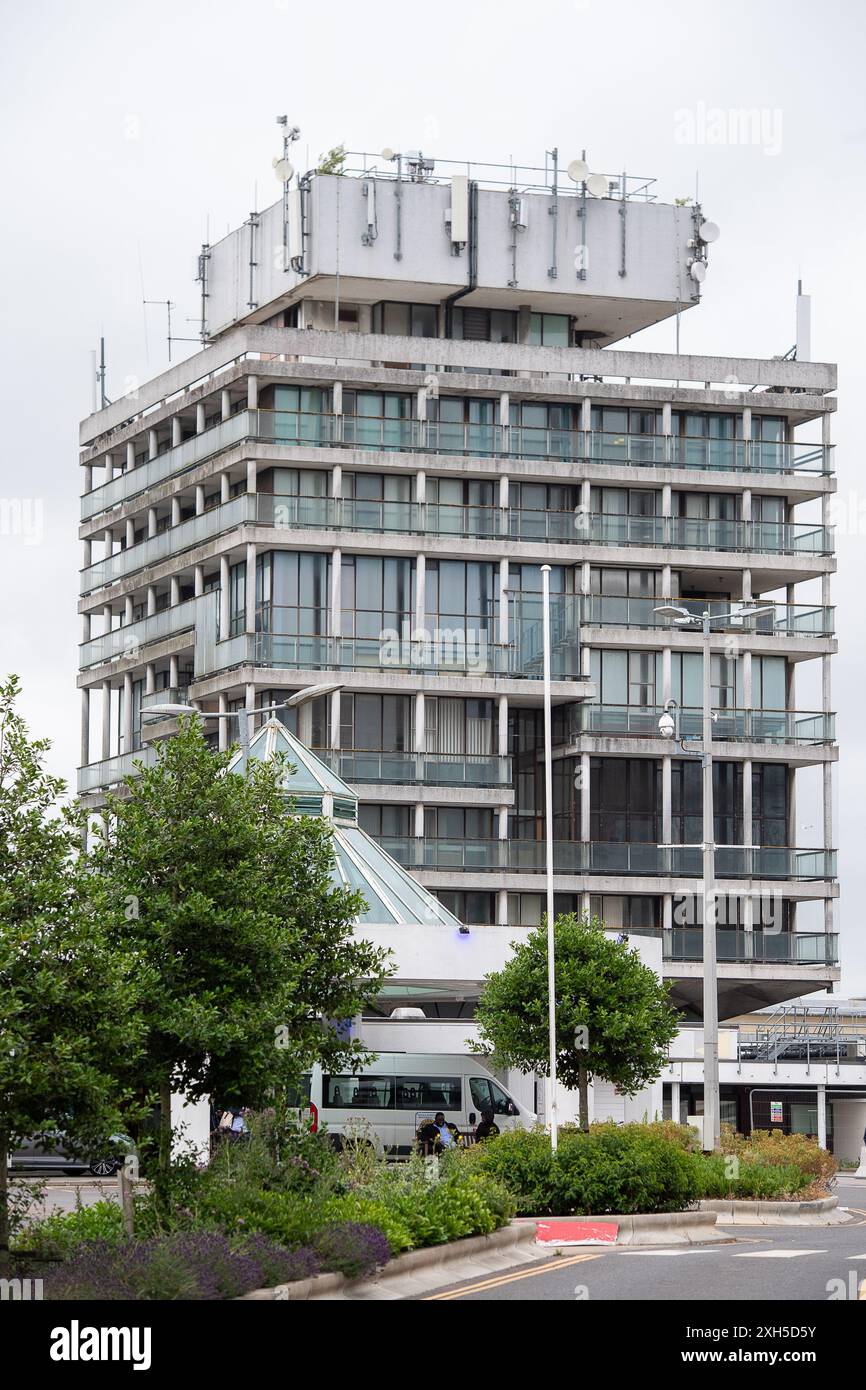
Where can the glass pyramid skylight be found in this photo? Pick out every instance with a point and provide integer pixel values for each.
(392, 895)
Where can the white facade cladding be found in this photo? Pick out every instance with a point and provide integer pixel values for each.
(357, 481)
(619, 263)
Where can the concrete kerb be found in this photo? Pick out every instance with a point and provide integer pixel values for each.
(516, 1236)
(652, 1228)
(823, 1212)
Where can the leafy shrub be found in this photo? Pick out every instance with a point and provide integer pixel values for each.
(351, 1248)
(750, 1179)
(58, 1235)
(613, 1168)
(775, 1149)
(197, 1266)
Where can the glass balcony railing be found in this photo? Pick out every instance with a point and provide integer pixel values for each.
(380, 433)
(693, 533)
(109, 771)
(172, 541)
(361, 766)
(128, 640)
(730, 725)
(525, 524)
(759, 947)
(786, 620)
(602, 857)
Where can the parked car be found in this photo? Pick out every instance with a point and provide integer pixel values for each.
(48, 1155)
(398, 1092)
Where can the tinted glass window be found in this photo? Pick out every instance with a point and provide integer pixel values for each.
(358, 1092)
(428, 1093)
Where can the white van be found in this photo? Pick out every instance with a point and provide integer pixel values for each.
(392, 1097)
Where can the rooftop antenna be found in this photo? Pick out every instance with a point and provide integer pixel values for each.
(100, 400)
(284, 170)
(803, 350)
(168, 305)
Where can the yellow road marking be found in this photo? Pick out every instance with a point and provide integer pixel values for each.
(499, 1280)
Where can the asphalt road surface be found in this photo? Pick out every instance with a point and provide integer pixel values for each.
(796, 1264)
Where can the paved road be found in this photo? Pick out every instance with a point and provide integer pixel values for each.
(792, 1264)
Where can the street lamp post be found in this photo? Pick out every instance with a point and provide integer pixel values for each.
(548, 822)
(669, 728)
(243, 716)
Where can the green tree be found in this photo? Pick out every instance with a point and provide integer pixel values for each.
(333, 162)
(68, 1005)
(613, 1018)
(230, 902)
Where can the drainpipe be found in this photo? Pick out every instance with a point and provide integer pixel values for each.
(472, 248)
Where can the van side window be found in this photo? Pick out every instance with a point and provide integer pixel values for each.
(429, 1092)
(357, 1092)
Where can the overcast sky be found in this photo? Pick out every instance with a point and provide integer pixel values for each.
(132, 133)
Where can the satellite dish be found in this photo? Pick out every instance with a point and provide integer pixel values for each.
(284, 169)
(709, 231)
(388, 153)
(597, 185)
(577, 170)
(698, 272)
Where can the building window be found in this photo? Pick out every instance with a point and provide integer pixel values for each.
(291, 593)
(477, 909)
(625, 800)
(383, 821)
(376, 595)
(549, 330)
(406, 320)
(376, 723)
(485, 325)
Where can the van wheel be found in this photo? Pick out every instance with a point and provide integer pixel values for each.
(336, 1142)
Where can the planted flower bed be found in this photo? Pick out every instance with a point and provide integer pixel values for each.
(281, 1207)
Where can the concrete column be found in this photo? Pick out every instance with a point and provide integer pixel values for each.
(250, 590)
(200, 418)
(419, 734)
(130, 455)
(502, 822)
(667, 499)
(666, 582)
(225, 404)
(151, 600)
(502, 727)
(337, 398)
(175, 511)
(747, 801)
(152, 444)
(336, 481)
(225, 598)
(420, 592)
(224, 724)
(503, 601)
(151, 522)
(107, 619)
(747, 585)
(176, 431)
(586, 415)
(336, 595)
(746, 505)
(502, 907)
(418, 828)
(822, 1117)
(667, 800)
(251, 475)
(127, 610)
(675, 1101)
(334, 730)
(86, 626)
(421, 403)
(86, 554)
(130, 532)
(127, 712)
(585, 802)
(225, 488)
(85, 726)
(667, 682)
(199, 580)
(174, 591)
(252, 392)
(88, 477)
(149, 678)
(199, 498)
(105, 751)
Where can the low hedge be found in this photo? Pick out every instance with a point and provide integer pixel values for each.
(613, 1168)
